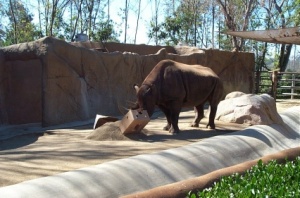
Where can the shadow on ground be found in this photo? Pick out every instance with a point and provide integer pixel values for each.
(192, 134)
(19, 141)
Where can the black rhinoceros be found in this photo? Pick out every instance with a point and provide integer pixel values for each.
(172, 85)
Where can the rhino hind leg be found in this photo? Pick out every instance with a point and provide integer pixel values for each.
(214, 100)
(212, 115)
(199, 114)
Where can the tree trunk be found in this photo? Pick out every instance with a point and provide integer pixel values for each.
(137, 21)
(90, 7)
(95, 17)
(40, 20)
(15, 21)
(231, 24)
(284, 56)
(213, 27)
(77, 18)
(156, 22)
(285, 50)
(53, 15)
(126, 20)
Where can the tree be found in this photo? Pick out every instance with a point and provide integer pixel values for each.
(296, 16)
(154, 26)
(2, 30)
(51, 16)
(94, 7)
(20, 27)
(137, 20)
(58, 10)
(105, 32)
(126, 10)
(285, 50)
(72, 27)
(237, 14)
(280, 14)
(185, 25)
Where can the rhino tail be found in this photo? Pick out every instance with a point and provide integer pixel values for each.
(217, 93)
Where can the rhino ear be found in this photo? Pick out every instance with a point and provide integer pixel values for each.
(136, 87)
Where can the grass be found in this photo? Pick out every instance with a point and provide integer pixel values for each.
(262, 180)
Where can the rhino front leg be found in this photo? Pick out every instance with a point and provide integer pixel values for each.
(174, 129)
(199, 114)
(175, 111)
(168, 116)
(212, 115)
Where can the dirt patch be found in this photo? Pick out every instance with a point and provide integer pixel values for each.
(282, 105)
(110, 131)
(48, 152)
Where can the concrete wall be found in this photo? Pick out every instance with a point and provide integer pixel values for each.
(54, 82)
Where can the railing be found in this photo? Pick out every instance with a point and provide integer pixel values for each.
(278, 84)
(285, 81)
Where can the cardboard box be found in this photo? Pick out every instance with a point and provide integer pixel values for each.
(134, 122)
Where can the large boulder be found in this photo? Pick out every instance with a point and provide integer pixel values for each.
(248, 109)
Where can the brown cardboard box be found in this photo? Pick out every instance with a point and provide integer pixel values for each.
(134, 122)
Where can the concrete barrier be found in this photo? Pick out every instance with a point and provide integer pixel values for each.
(143, 172)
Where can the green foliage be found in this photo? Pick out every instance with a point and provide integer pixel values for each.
(225, 41)
(270, 180)
(170, 31)
(105, 32)
(296, 16)
(185, 25)
(20, 27)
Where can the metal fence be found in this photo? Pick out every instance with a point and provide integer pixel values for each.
(285, 85)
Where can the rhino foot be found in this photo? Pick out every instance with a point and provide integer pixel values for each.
(167, 128)
(174, 132)
(210, 126)
(194, 125)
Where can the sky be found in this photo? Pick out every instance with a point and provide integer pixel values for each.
(147, 9)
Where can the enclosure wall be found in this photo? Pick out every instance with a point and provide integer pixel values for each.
(54, 82)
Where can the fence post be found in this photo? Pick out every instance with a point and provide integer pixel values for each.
(274, 83)
(293, 86)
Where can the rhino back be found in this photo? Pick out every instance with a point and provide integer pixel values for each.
(191, 84)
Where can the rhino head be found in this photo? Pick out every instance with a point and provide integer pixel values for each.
(146, 98)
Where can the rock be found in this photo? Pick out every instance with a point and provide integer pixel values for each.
(234, 94)
(187, 50)
(248, 109)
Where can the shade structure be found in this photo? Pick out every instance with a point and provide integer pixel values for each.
(281, 36)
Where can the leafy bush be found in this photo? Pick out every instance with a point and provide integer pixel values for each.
(262, 180)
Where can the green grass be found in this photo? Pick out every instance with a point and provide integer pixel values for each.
(262, 180)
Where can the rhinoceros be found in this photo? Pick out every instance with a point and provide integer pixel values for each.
(172, 85)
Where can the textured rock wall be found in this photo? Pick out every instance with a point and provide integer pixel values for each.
(54, 82)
